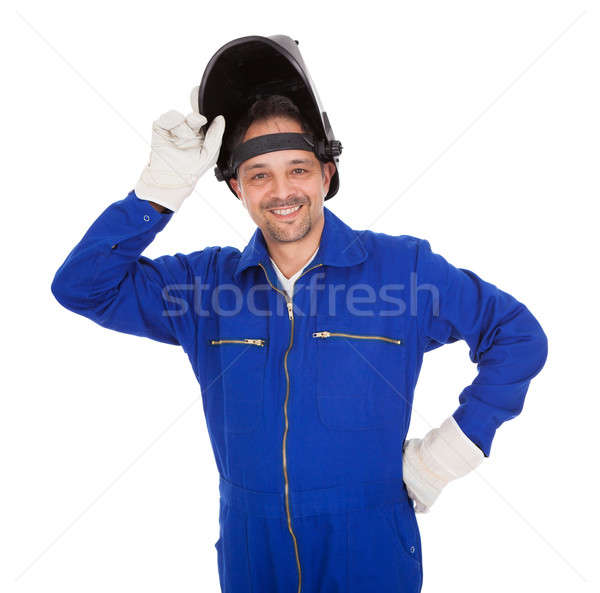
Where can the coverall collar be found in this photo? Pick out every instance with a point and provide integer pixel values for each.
(340, 246)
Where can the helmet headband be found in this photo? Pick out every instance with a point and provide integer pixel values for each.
(270, 143)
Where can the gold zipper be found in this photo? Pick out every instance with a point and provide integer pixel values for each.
(250, 341)
(326, 334)
(290, 308)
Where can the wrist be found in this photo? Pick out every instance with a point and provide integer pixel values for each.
(161, 209)
(170, 198)
(429, 464)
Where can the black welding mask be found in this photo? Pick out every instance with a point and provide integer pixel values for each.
(254, 67)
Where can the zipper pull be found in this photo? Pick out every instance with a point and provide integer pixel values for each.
(321, 335)
(290, 308)
(254, 342)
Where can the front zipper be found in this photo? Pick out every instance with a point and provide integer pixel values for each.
(327, 334)
(290, 309)
(250, 341)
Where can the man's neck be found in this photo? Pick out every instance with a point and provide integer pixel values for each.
(291, 257)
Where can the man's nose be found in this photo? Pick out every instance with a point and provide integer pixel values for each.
(282, 187)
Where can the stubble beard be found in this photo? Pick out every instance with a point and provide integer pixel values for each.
(283, 234)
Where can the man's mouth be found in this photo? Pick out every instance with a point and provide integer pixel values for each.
(286, 213)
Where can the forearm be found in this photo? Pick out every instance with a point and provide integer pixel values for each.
(96, 266)
(505, 371)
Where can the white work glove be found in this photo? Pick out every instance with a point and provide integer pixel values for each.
(428, 464)
(181, 153)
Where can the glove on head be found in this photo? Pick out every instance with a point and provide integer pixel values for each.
(181, 153)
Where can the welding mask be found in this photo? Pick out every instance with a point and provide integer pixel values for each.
(254, 67)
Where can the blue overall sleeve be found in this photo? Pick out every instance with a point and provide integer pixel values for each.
(505, 340)
(105, 279)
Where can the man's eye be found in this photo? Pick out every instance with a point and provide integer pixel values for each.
(299, 169)
(256, 176)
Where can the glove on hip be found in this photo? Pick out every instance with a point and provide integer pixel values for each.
(428, 464)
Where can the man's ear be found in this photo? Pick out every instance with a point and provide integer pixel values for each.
(328, 172)
(235, 186)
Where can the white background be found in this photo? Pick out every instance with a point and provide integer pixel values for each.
(471, 124)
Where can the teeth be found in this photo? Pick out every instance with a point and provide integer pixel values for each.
(286, 211)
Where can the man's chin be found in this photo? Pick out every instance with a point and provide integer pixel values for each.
(288, 232)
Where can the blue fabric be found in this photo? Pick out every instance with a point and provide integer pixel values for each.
(346, 523)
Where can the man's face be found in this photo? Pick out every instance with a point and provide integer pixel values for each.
(283, 191)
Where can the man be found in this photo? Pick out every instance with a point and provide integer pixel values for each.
(307, 346)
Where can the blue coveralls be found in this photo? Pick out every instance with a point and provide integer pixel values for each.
(308, 402)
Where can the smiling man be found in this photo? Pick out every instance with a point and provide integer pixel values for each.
(307, 345)
(283, 191)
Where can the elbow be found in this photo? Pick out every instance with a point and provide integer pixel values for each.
(59, 289)
(542, 348)
(65, 291)
(78, 296)
(538, 346)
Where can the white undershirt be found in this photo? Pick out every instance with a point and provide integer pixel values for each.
(288, 283)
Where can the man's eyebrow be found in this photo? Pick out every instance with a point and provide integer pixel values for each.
(292, 162)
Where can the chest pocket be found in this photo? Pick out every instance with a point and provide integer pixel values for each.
(359, 384)
(243, 362)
